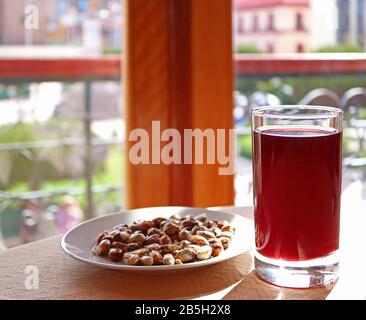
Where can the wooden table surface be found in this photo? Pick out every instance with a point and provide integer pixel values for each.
(61, 277)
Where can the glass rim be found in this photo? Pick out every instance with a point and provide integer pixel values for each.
(323, 112)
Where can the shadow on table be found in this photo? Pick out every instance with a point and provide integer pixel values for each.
(253, 288)
(110, 284)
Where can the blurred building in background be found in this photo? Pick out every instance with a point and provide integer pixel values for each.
(94, 25)
(352, 22)
(323, 23)
(273, 26)
(288, 26)
(12, 30)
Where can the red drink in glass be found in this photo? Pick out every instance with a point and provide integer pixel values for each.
(297, 189)
(297, 172)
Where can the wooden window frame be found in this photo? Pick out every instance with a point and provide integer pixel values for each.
(179, 70)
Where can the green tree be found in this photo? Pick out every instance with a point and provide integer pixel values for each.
(245, 48)
(339, 49)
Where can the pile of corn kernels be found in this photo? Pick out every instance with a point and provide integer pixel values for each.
(162, 241)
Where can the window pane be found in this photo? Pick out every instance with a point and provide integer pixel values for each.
(61, 126)
(331, 33)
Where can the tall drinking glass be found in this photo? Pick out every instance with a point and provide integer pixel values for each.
(297, 172)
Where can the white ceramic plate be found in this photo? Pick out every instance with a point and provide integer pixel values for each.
(79, 241)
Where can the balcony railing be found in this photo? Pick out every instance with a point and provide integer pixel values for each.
(110, 68)
(86, 70)
(300, 64)
(60, 69)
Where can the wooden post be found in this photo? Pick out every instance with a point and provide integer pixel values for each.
(179, 71)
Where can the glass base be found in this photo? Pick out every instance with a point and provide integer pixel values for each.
(298, 274)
